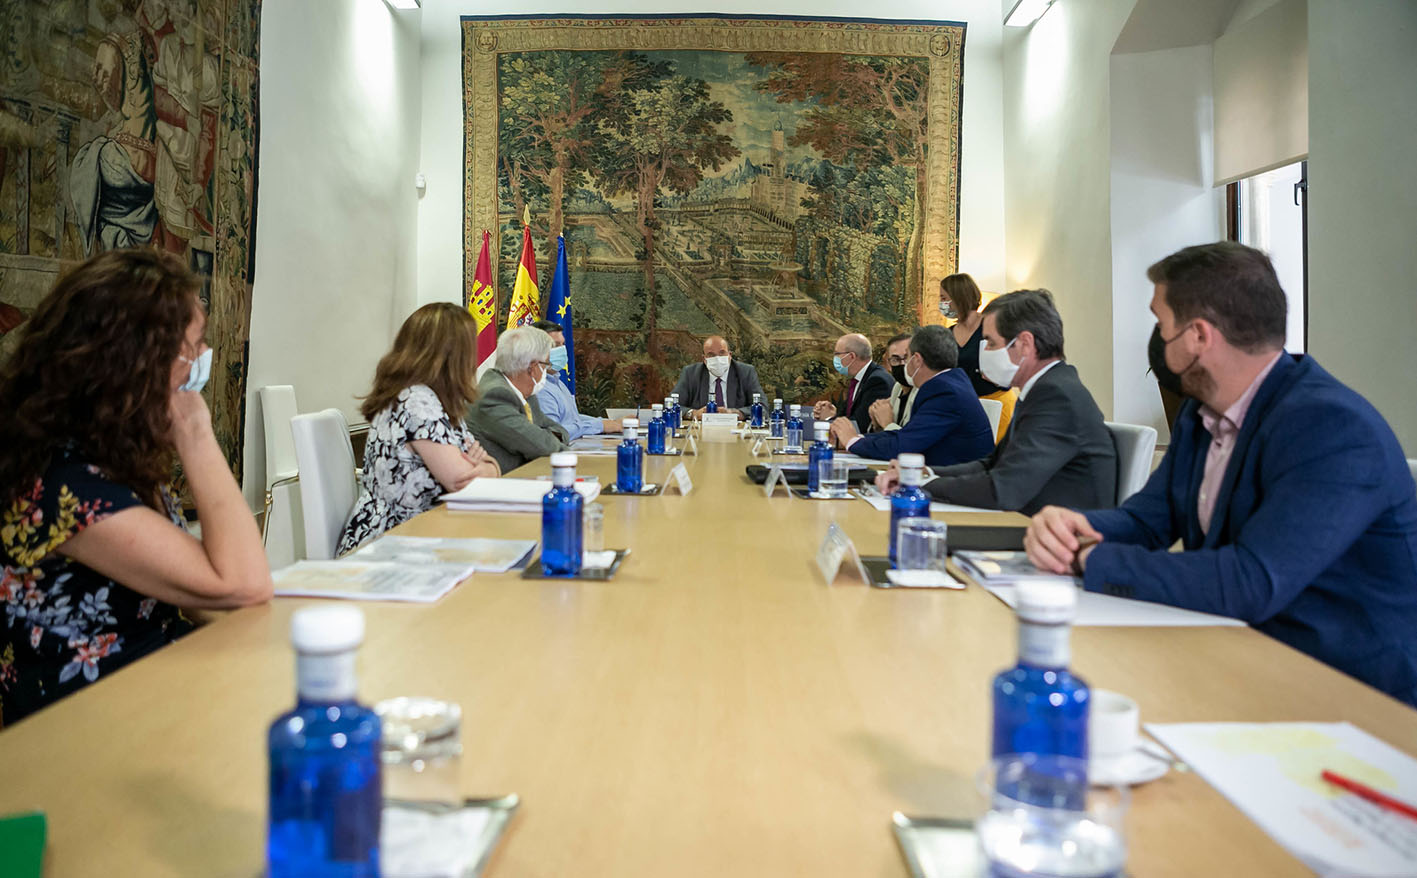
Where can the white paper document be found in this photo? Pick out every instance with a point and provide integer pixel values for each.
(882, 503)
(594, 446)
(1103, 610)
(369, 580)
(1273, 773)
(483, 555)
(509, 495)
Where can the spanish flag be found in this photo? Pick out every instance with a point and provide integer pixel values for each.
(526, 300)
(482, 303)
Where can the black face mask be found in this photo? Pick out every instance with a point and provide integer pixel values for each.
(1156, 356)
(898, 373)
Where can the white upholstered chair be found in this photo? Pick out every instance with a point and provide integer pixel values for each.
(281, 529)
(1136, 445)
(995, 410)
(327, 483)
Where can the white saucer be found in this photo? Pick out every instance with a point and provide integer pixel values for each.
(1136, 767)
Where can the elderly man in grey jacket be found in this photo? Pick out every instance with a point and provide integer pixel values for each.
(506, 418)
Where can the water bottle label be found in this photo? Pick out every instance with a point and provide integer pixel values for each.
(1044, 646)
(326, 676)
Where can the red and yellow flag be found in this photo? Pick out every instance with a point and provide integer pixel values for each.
(482, 303)
(526, 299)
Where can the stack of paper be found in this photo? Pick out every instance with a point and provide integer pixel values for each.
(882, 503)
(509, 495)
(998, 571)
(483, 555)
(369, 580)
(595, 446)
(1273, 773)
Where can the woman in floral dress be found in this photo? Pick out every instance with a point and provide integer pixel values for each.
(101, 400)
(418, 447)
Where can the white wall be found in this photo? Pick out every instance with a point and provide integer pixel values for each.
(1363, 201)
(1162, 200)
(1056, 173)
(981, 250)
(336, 218)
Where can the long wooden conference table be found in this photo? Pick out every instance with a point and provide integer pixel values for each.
(715, 710)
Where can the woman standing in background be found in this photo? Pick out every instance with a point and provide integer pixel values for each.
(961, 300)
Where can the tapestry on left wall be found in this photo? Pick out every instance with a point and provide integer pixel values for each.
(133, 123)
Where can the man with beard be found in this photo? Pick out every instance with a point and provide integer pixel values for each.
(1288, 491)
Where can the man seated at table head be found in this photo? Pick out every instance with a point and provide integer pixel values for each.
(507, 419)
(892, 412)
(1056, 449)
(729, 382)
(947, 424)
(556, 399)
(1290, 495)
(866, 383)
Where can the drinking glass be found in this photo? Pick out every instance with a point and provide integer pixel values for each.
(593, 528)
(921, 545)
(832, 476)
(1043, 820)
(422, 748)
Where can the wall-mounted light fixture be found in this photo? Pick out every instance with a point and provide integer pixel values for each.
(1026, 12)
(404, 4)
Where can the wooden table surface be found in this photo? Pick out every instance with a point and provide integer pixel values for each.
(714, 710)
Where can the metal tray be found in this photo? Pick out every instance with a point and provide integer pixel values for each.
(935, 847)
(498, 813)
(593, 574)
(644, 491)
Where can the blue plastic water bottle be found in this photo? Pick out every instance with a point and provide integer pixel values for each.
(678, 412)
(755, 413)
(821, 450)
(656, 430)
(778, 421)
(794, 429)
(561, 510)
(1039, 706)
(630, 459)
(326, 786)
(711, 407)
(908, 501)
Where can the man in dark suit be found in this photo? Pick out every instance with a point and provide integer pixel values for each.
(866, 383)
(1056, 448)
(1288, 491)
(506, 419)
(947, 424)
(728, 382)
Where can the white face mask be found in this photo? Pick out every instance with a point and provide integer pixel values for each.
(540, 382)
(718, 366)
(199, 373)
(996, 366)
(909, 375)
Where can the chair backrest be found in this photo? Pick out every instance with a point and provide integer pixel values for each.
(1136, 445)
(995, 410)
(277, 408)
(327, 486)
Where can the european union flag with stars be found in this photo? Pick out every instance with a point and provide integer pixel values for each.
(558, 310)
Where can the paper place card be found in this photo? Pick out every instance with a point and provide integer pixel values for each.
(719, 420)
(835, 548)
(680, 475)
(757, 448)
(774, 477)
(692, 446)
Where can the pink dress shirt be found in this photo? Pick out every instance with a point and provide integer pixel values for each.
(1224, 429)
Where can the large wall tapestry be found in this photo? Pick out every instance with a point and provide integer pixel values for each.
(778, 181)
(128, 123)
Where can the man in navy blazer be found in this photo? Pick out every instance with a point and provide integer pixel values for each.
(1289, 492)
(947, 423)
(866, 382)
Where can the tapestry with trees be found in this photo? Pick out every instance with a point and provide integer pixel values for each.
(778, 181)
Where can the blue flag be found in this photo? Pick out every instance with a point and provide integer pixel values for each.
(558, 310)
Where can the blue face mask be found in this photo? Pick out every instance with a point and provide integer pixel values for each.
(836, 364)
(200, 372)
(558, 359)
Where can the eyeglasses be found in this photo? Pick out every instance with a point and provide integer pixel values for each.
(897, 359)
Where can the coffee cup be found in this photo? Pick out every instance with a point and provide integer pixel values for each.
(1113, 725)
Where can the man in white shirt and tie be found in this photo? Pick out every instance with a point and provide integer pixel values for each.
(729, 382)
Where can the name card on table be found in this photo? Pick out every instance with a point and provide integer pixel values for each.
(719, 420)
(680, 475)
(776, 476)
(837, 547)
(757, 448)
(692, 446)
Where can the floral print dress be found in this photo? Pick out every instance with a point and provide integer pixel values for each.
(65, 624)
(397, 484)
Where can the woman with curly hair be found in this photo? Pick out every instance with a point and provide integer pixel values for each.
(418, 447)
(101, 401)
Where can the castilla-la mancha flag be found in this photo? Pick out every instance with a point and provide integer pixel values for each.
(482, 303)
(526, 299)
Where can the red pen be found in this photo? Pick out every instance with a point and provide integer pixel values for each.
(1371, 794)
